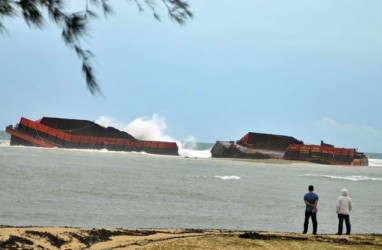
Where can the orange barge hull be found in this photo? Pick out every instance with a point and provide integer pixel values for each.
(82, 134)
(326, 154)
(254, 146)
(270, 146)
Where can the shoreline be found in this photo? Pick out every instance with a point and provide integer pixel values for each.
(35, 237)
(272, 161)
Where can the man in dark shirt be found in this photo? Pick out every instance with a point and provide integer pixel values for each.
(311, 200)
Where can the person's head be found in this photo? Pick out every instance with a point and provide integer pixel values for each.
(344, 192)
(311, 188)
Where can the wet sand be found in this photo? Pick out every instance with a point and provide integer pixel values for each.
(118, 238)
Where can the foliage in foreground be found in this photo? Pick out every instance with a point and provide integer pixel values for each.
(74, 25)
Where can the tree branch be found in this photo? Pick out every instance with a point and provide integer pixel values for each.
(75, 25)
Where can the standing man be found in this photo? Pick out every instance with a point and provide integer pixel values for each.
(311, 200)
(343, 208)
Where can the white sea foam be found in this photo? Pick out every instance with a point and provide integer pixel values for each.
(229, 177)
(375, 162)
(189, 148)
(143, 128)
(349, 178)
(154, 128)
(4, 143)
(194, 153)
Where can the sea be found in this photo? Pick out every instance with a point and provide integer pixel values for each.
(99, 188)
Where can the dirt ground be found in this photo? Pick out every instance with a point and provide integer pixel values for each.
(171, 239)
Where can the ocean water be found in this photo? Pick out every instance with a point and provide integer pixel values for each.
(98, 188)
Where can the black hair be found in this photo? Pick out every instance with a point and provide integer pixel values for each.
(310, 188)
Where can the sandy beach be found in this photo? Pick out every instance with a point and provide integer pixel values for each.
(118, 238)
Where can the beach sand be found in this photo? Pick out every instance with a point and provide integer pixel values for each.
(118, 238)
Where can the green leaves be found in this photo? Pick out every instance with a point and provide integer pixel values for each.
(75, 25)
(31, 12)
(6, 9)
(178, 10)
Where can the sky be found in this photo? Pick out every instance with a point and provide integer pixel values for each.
(304, 68)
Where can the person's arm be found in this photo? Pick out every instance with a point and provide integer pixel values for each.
(350, 205)
(314, 209)
(315, 204)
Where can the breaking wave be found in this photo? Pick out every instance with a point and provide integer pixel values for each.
(375, 162)
(349, 178)
(229, 177)
(4, 143)
(153, 128)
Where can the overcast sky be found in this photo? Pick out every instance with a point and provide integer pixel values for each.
(305, 68)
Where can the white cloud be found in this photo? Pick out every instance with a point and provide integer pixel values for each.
(349, 135)
(330, 124)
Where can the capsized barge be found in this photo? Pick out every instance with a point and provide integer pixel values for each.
(270, 146)
(326, 154)
(254, 146)
(81, 134)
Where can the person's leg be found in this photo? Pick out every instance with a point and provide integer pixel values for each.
(314, 221)
(306, 222)
(348, 225)
(340, 223)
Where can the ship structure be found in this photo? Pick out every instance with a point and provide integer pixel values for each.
(81, 134)
(270, 146)
(254, 146)
(326, 154)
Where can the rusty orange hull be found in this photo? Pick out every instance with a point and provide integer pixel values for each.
(326, 154)
(63, 133)
(270, 146)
